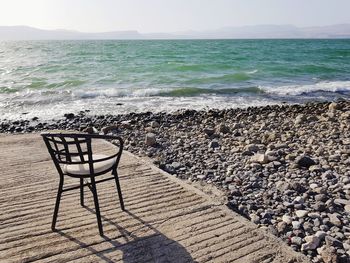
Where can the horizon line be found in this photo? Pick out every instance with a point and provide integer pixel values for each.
(170, 32)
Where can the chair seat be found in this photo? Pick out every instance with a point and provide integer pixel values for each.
(84, 169)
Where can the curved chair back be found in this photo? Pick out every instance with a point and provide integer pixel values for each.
(76, 148)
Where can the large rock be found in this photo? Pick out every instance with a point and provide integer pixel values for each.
(209, 131)
(334, 106)
(333, 218)
(296, 240)
(150, 139)
(347, 208)
(259, 158)
(301, 213)
(69, 116)
(304, 161)
(312, 242)
(214, 144)
(108, 129)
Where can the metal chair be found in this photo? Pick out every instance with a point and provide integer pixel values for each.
(73, 156)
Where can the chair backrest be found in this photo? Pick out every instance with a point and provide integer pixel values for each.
(76, 148)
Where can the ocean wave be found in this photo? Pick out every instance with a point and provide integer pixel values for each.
(325, 88)
(164, 92)
(190, 92)
(117, 92)
(295, 90)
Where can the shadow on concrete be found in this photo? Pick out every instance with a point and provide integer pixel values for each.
(153, 247)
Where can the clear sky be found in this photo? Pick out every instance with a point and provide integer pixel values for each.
(169, 15)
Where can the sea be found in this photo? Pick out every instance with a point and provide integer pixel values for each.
(46, 79)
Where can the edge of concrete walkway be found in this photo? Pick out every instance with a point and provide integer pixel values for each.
(212, 194)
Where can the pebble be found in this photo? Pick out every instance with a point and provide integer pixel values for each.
(312, 242)
(297, 240)
(150, 139)
(333, 218)
(259, 158)
(304, 161)
(301, 213)
(296, 224)
(214, 144)
(287, 219)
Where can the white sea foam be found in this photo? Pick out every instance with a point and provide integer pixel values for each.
(112, 105)
(52, 103)
(294, 90)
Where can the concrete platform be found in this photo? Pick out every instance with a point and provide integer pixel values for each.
(167, 220)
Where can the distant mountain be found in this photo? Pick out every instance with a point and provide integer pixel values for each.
(253, 32)
(30, 33)
(273, 31)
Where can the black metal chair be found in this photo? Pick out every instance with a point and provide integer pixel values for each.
(73, 156)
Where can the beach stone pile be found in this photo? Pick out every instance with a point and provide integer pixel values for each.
(284, 167)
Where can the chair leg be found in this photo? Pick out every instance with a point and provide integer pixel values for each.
(119, 190)
(81, 192)
(97, 207)
(57, 205)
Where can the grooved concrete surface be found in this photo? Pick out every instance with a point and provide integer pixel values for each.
(166, 220)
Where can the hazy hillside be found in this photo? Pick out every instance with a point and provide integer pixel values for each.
(30, 33)
(262, 31)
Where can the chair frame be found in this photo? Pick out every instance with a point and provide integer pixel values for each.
(65, 156)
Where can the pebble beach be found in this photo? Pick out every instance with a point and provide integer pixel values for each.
(284, 167)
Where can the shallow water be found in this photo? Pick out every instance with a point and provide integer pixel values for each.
(48, 78)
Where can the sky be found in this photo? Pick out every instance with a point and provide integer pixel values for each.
(169, 15)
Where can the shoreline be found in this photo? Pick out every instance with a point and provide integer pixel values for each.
(284, 167)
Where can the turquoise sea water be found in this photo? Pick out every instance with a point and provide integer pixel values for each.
(49, 78)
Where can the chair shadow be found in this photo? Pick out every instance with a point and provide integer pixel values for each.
(155, 247)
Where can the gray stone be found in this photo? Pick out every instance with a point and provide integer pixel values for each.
(214, 144)
(297, 240)
(251, 148)
(154, 124)
(281, 227)
(296, 225)
(304, 161)
(333, 106)
(150, 139)
(209, 131)
(259, 158)
(301, 213)
(254, 218)
(108, 129)
(201, 176)
(347, 208)
(176, 165)
(287, 219)
(333, 218)
(312, 242)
